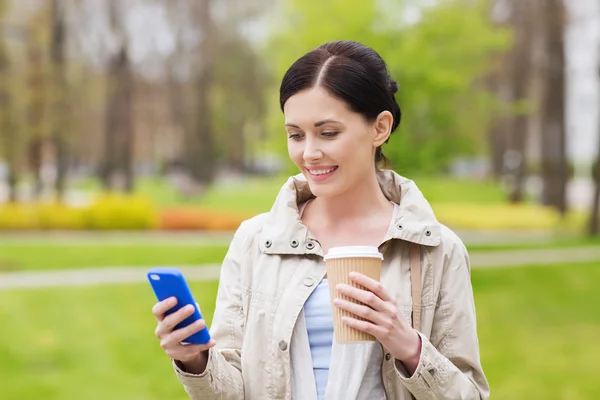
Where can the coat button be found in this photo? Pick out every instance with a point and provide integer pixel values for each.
(268, 244)
(283, 345)
(294, 243)
(388, 356)
(400, 227)
(427, 233)
(308, 281)
(310, 245)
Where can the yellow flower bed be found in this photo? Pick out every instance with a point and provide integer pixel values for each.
(107, 212)
(119, 212)
(506, 217)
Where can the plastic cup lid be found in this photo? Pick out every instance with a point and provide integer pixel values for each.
(353, 251)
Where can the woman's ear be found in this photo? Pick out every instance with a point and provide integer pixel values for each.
(383, 127)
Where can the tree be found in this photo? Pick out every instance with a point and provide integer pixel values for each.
(238, 98)
(199, 148)
(437, 59)
(10, 142)
(554, 159)
(520, 79)
(61, 122)
(594, 222)
(36, 97)
(117, 172)
(7, 126)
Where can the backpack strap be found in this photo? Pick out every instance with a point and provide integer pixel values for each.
(415, 284)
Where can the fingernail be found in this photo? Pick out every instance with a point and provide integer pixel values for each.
(190, 307)
(172, 301)
(353, 275)
(336, 301)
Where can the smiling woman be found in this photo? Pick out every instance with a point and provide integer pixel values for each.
(272, 328)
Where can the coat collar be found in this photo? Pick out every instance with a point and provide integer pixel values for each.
(284, 233)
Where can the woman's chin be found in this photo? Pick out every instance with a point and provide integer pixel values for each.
(322, 190)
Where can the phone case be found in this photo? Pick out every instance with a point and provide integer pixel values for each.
(168, 282)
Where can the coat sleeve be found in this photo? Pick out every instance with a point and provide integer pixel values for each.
(449, 366)
(222, 378)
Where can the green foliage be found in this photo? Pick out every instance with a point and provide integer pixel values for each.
(438, 62)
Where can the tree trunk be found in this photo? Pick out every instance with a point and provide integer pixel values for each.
(35, 164)
(554, 158)
(520, 64)
(594, 223)
(8, 134)
(59, 109)
(199, 148)
(117, 173)
(37, 86)
(118, 150)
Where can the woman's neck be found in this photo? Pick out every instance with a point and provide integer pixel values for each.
(353, 205)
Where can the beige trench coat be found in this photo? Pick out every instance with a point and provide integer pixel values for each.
(272, 267)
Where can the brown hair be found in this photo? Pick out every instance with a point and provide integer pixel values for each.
(351, 72)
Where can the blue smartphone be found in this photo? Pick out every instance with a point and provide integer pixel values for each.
(169, 282)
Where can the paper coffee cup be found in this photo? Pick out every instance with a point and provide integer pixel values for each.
(340, 262)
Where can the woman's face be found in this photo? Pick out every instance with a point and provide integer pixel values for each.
(333, 146)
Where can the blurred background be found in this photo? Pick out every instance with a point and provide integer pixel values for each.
(140, 133)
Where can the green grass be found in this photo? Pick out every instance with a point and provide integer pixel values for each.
(23, 257)
(38, 254)
(256, 194)
(86, 343)
(560, 243)
(538, 329)
(251, 194)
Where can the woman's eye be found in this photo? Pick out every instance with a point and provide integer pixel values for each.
(330, 133)
(295, 136)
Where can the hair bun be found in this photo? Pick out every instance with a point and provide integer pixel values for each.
(393, 86)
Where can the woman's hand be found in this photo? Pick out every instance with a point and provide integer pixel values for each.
(194, 357)
(383, 319)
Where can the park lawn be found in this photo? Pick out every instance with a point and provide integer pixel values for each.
(39, 256)
(538, 329)
(256, 194)
(248, 195)
(550, 243)
(86, 343)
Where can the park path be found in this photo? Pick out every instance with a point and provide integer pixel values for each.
(209, 272)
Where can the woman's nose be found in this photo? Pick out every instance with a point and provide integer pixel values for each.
(311, 150)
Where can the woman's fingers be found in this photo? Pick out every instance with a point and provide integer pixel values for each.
(180, 334)
(359, 310)
(363, 296)
(371, 285)
(364, 326)
(169, 322)
(174, 338)
(160, 308)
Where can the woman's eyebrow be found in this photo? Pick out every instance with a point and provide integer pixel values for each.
(317, 124)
